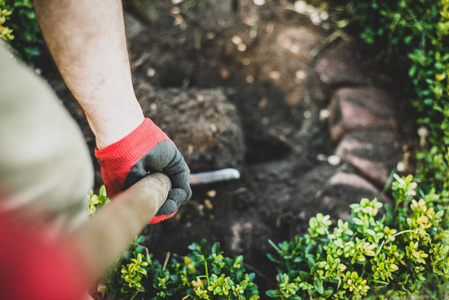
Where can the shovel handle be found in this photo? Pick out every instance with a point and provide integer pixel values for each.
(106, 235)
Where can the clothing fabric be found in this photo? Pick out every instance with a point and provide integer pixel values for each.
(45, 168)
(45, 176)
(34, 267)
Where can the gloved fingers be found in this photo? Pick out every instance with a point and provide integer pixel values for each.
(138, 171)
(177, 195)
(169, 207)
(179, 175)
(164, 212)
(165, 157)
(174, 200)
(155, 160)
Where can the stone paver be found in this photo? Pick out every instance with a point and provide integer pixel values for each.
(353, 180)
(373, 153)
(361, 119)
(340, 191)
(360, 109)
(338, 66)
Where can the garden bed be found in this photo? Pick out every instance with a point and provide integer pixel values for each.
(249, 87)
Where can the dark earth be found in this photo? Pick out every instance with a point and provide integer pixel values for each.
(217, 77)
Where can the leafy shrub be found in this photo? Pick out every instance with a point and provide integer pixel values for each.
(204, 273)
(433, 171)
(97, 201)
(402, 254)
(5, 32)
(418, 32)
(19, 28)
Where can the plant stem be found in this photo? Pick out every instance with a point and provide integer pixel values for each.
(166, 260)
(258, 272)
(207, 273)
(399, 233)
(274, 246)
(134, 296)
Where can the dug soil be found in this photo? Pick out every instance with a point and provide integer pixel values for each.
(216, 77)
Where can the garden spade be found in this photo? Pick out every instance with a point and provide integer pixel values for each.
(214, 176)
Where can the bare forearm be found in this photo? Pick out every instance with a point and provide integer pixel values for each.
(87, 41)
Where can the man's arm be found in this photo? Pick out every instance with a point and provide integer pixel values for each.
(87, 41)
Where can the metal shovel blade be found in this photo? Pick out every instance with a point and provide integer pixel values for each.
(214, 176)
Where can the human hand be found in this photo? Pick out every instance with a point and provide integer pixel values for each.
(145, 150)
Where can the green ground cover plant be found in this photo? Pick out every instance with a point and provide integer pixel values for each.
(19, 29)
(401, 254)
(97, 201)
(204, 273)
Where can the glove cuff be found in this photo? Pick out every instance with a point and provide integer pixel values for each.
(127, 151)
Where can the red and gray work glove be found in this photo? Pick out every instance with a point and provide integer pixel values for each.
(145, 150)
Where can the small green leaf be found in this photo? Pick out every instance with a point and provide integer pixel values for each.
(140, 239)
(343, 23)
(318, 283)
(273, 293)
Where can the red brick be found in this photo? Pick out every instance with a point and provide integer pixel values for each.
(360, 109)
(373, 153)
(338, 65)
(355, 181)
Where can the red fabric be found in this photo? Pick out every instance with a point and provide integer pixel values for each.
(33, 268)
(117, 159)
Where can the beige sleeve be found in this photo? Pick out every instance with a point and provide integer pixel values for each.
(45, 168)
